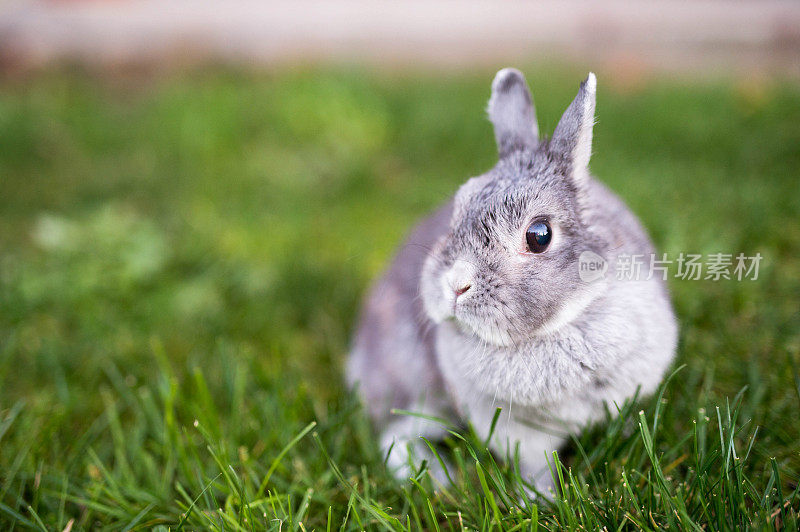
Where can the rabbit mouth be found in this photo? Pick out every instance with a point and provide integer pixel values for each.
(495, 336)
(487, 330)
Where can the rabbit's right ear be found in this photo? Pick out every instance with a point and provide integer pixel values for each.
(511, 111)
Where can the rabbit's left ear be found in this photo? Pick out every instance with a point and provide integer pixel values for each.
(572, 137)
(511, 111)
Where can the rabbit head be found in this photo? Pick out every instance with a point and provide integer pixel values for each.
(507, 268)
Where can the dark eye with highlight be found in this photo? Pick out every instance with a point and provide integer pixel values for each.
(538, 236)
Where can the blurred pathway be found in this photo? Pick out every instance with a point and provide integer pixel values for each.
(744, 36)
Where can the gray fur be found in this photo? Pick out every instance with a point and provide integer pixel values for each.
(527, 334)
(511, 111)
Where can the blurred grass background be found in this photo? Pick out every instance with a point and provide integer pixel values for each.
(195, 246)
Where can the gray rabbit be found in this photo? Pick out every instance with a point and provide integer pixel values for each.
(486, 305)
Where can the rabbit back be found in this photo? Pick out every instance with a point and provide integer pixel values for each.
(392, 362)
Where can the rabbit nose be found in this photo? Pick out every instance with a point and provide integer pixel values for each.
(462, 290)
(459, 278)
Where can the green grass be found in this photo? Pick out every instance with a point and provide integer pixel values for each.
(182, 261)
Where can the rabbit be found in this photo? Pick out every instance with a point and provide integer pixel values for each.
(486, 304)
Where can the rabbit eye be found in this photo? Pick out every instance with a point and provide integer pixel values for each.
(538, 236)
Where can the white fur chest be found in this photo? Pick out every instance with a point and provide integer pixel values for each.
(537, 373)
